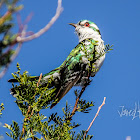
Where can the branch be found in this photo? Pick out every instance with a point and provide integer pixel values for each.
(25, 119)
(11, 60)
(80, 94)
(5, 17)
(14, 55)
(99, 108)
(1, 3)
(8, 13)
(46, 28)
(75, 106)
(39, 79)
(27, 114)
(22, 37)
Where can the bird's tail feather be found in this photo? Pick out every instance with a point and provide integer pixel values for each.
(57, 77)
(64, 90)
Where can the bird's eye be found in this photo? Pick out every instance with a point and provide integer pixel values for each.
(87, 24)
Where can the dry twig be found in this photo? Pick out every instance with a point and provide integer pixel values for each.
(99, 108)
(79, 96)
(75, 106)
(46, 28)
(22, 37)
(1, 3)
(14, 55)
(39, 79)
(6, 16)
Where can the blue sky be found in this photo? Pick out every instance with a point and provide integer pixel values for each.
(118, 79)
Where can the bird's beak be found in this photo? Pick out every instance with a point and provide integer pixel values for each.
(73, 24)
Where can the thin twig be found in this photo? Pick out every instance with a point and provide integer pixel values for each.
(99, 108)
(11, 60)
(25, 119)
(46, 28)
(33, 109)
(21, 37)
(5, 16)
(14, 55)
(75, 106)
(40, 77)
(79, 96)
(32, 134)
(29, 110)
(22, 24)
(1, 3)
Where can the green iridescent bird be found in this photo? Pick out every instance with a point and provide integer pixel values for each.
(84, 61)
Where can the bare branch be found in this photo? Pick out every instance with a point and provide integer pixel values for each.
(39, 79)
(14, 55)
(1, 3)
(23, 33)
(5, 16)
(46, 28)
(75, 106)
(4, 71)
(21, 38)
(99, 108)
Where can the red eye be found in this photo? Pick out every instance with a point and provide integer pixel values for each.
(86, 24)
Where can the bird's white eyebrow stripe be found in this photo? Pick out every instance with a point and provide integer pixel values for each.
(95, 26)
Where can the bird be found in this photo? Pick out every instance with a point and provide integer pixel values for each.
(83, 62)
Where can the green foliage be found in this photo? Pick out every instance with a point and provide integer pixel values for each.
(31, 98)
(83, 106)
(108, 48)
(15, 131)
(7, 39)
(27, 93)
(80, 135)
(1, 108)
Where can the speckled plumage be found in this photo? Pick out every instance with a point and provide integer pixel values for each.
(74, 71)
(84, 61)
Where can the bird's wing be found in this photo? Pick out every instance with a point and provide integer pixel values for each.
(78, 52)
(64, 90)
(70, 72)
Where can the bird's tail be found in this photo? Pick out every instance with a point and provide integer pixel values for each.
(64, 89)
(56, 79)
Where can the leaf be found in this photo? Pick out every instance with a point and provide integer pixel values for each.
(84, 106)
(15, 131)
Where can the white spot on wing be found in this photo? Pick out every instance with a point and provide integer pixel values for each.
(85, 60)
(82, 53)
(55, 75)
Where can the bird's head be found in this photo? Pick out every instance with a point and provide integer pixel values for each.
(86, 29)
